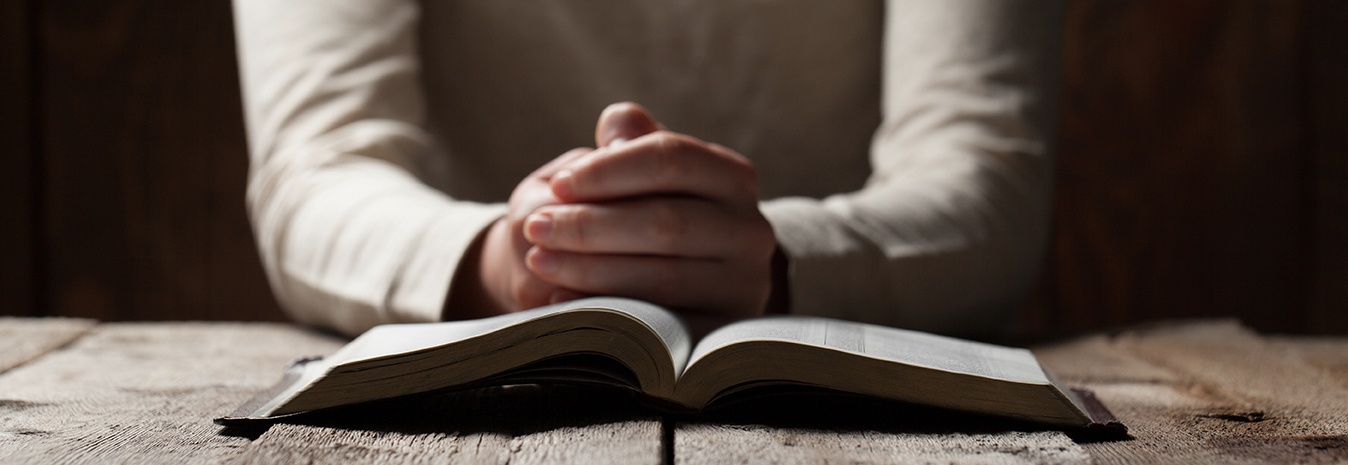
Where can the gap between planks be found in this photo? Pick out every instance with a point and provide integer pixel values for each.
(25, 340)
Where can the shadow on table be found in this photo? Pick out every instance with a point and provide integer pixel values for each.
(515, 410)
(527, 409)
(814, 409)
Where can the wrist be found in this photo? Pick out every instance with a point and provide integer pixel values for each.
(471, 291)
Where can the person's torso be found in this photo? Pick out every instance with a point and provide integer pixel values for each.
(792, 84)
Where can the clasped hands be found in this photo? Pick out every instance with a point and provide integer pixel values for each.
(649, 214)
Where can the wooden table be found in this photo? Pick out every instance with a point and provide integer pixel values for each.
(80, 391)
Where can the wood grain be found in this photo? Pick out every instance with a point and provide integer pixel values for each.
(146, 393)
(815, 427)
(624, 442)
(1214, 393)
(17, 235)
(1205, 392)
(145, 164)
(23, 340)
(515, 425)
(143, 393)
(707, 443)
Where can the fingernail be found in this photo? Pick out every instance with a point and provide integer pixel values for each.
(563, 185)
(538, 228)
(541, 262)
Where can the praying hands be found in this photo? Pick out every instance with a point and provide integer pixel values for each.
(649, 214)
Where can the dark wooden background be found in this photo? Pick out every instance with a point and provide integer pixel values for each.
(1202, 167)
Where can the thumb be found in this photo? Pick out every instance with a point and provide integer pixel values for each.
(621, 122)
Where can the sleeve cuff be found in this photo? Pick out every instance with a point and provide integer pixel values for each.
(822, 253)
(418, 295)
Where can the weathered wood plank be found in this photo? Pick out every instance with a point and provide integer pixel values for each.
(839, 429)
(1214, 393)
(516, 425)
(25, 339)
(1207, 392)
(711, 443)
(1327, 356)
(143, 393)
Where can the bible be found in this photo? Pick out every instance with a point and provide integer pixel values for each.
(639, 346)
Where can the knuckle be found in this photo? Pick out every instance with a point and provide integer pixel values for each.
(764, 235)
(573, 224)
(746, 176)
(739, 166)
(664, 138)
(755, 235)
(670, 169)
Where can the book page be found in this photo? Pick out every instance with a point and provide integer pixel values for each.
(950, 354)
(650, 343)
(661, 321)
(803, 330)
(890, 344)
(393, 339)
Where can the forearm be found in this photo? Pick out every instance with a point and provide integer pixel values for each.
(938, 257)
(359, 242)
(349, 235)
(949, 230)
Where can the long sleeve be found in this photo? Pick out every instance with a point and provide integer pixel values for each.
(949, 230)
(349, 233)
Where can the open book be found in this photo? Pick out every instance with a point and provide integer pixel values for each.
(643, 347)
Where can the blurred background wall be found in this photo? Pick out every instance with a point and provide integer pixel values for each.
(1203, 165)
